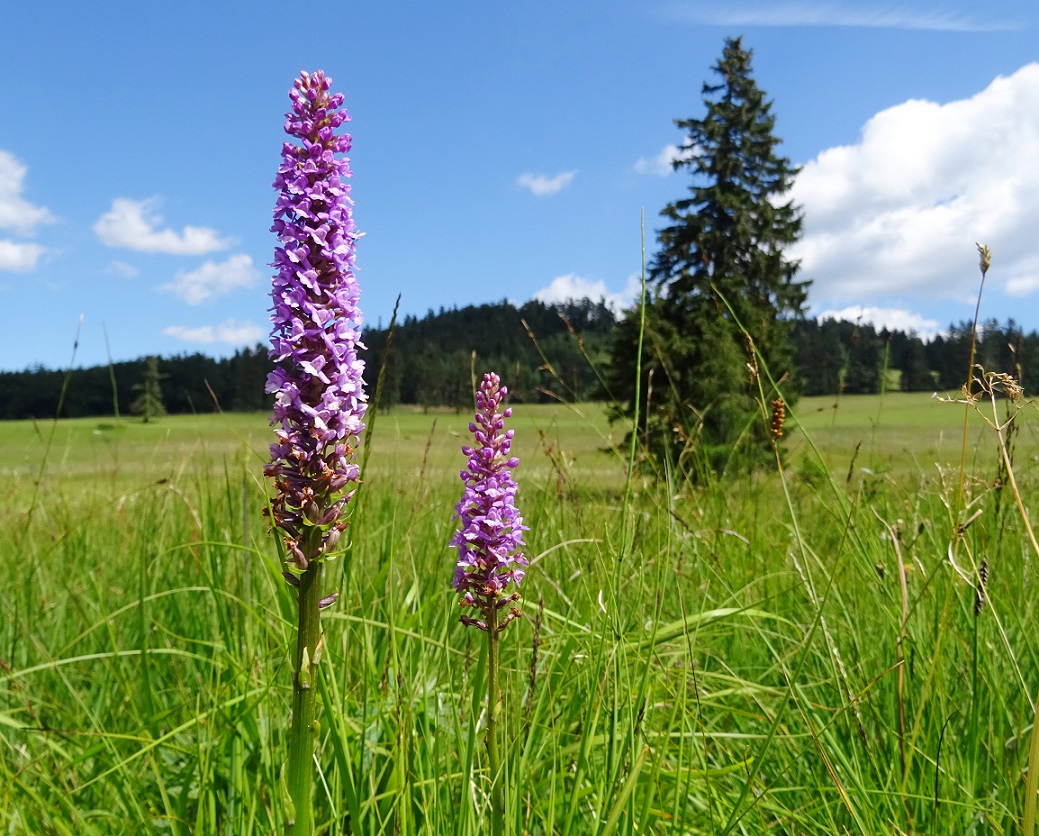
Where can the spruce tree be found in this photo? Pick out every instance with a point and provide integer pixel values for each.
(149, 403)
(720, 276)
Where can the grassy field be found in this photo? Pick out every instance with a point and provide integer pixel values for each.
(899, 431)
(741, 657)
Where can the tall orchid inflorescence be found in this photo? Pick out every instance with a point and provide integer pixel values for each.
(320, 399)
(490, 541)
(490, 555)
(319, 392)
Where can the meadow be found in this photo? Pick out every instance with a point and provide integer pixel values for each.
(843, 644)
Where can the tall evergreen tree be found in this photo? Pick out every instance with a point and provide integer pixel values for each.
(149, 403)
(721, 275)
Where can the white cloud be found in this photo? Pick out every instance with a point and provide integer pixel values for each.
(121, 268)
(15, 212)
(213, 279)
(899, 212)
(134, 224)
(663, 163)
(1025, 279)
(232, 332)
(19, 215)
(886, 16)
(19, 258)
(542, 184)
(894, 319)
(573, 287)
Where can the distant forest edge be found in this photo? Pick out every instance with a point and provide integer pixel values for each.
(543, 352)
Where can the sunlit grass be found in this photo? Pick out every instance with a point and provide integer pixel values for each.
(744, 680)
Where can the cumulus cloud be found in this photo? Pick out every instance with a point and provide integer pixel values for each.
(232, 332)
(19, 258)
(899, 212)
(213, 279)
(571, 287)
(875, 16)
(663, 163)
(894, 319)
(1026, 277)
(541, 184)
(16, 213)
(20, 216)
(135, 225)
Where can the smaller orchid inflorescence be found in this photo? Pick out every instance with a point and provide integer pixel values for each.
(490, 541)
(320, 398)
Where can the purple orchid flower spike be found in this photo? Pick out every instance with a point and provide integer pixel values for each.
(319, 392)
(490, 542)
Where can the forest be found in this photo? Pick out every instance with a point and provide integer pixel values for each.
(545, 353)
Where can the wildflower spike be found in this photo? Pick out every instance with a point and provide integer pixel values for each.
(490, 542)
(318, 387)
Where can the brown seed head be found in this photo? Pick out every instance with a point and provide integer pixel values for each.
(778, 417)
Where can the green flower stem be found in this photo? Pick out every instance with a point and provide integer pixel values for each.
(304, 731)
(1032, 781)
(493, 710)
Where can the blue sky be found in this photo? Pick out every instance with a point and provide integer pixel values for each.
(500, 151)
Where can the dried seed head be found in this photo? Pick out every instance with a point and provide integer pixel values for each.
(979, 599)
(985, 258)
(980, 587)
(778, 417)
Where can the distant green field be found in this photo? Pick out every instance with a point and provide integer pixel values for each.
(905, 432)
(896, 433)
(407, 443)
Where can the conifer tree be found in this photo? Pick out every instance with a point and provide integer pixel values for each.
(149, 403)
(721, 275)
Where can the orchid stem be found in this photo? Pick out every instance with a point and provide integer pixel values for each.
(304, 731)
(493, 710)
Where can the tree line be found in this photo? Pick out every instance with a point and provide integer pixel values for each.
(188, 383)
(837, 356)
(544, 352)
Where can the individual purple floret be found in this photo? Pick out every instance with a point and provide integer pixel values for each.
(319, 392)
(490, 541)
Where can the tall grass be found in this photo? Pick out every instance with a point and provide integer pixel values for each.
(794, 652)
